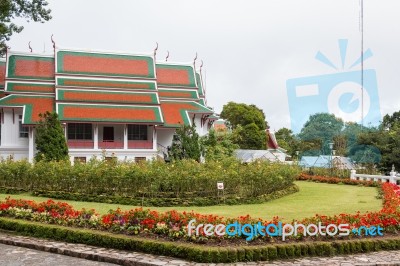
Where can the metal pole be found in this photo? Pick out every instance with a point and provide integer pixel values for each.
(362, 61)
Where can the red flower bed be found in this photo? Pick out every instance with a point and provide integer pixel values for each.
(336, 180)
(174, 225)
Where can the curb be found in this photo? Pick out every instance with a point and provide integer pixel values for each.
(89, 252)
(125, 258)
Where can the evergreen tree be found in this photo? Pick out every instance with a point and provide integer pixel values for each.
(186, 144)
(50, 139)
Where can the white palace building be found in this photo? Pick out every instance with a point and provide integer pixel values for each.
(123, 104)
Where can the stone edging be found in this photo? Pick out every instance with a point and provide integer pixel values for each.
(141, 259)
(89, 252)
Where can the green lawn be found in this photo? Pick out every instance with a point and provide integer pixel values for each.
(313, 198)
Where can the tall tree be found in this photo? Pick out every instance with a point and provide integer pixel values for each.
(186, 144)
(250, 137)
(50, 139)
(243, 114)
(218, 145)
(322, 127)
(288, 141)
(248, 124)
(28, 9)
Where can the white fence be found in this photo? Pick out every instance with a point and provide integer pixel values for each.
(393, 178)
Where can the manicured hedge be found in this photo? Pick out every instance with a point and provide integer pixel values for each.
(152, 183)
(199, 253)
(162, 202)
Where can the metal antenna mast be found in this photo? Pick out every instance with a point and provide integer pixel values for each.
(362, 60)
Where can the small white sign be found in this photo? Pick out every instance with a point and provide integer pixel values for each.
(220, 185)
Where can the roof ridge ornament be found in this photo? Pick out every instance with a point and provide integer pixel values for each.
(54, 43)
(29, 45)
(201, 66)
(166, 58)
(155, 51)
(194, 62)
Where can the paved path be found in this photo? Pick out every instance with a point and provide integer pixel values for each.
(21, 250)
(19, 256)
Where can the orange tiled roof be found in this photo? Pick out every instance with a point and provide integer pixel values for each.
(175, 75)
(2, 73)
(176, 113)
(30, 67)
(109, 113)
(85, 63)
(29, 87)
(106, 96)
(34, 105)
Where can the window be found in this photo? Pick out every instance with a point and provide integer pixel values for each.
(137, 132)
(79, 131)
(23, 130)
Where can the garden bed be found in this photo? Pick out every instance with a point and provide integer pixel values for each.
(168, 230)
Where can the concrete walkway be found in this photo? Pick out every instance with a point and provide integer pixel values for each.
(26, 251)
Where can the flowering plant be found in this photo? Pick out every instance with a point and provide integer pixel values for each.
(174, 225)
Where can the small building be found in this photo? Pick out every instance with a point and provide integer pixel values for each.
(327, 161)
(126, 104)
(273, 153)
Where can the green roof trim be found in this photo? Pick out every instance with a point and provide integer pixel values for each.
(199, 84)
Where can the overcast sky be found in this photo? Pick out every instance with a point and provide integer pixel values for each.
(249, 48)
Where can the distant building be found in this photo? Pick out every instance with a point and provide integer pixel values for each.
(126, 104)
(327, 161)
(273, 152)
(220, 126)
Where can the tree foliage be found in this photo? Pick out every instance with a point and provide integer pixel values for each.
(218, 145)
(248, 124)
(28, 9)
(243, 114)
(322, 128)
(50, 139)
(185, 144)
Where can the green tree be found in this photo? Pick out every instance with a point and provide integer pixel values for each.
(250, 137)
(248, 124)
(218, 145)
(50, 139)
(28, 9)
(322, 128)
(242, 114)
(186, 144)
(390, 121)
(288, 141)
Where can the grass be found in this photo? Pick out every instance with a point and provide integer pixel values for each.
(313, 198)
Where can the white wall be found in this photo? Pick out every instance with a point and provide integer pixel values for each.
(10, 131)
(11, 143)
(164, 136)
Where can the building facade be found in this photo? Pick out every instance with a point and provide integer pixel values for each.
(123, 105)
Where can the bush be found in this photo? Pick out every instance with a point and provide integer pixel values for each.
(152, 183)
